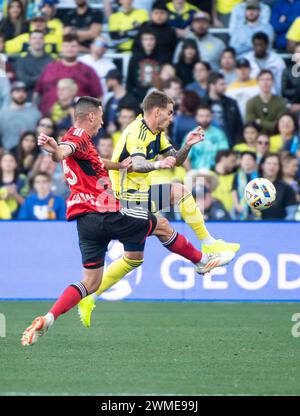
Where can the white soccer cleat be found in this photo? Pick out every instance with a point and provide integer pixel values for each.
(37, 329)
(215, 260)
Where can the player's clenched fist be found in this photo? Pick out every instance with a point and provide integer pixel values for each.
(47, 143)
(195, 136)
(167, 163)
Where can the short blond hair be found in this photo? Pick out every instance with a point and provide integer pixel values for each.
(68, 83)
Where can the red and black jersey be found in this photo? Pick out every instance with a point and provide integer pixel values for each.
(87, 177)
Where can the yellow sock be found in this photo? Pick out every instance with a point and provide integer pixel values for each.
(191, 214)
(116, 271)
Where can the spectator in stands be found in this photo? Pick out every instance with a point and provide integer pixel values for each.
(188, 57)
(13, 186)
(120, 98)
(239, 15)
(125, 117)
(203, 154)
(262, 146)
(181, 14)
(184, 120)
(291, 81)
(46, 125)
(43, 204)
(284, 12)
(290, 170)
(17, 117)
(15, 23)
(105, 147)
(143, 69)
(293, 35)
(226, 113)
(30, 65)
(84, 22)
(4, 79)
(241, 38)
(67, 67)
(209, 46)
(287, 139)
(224, 171)
(173, 88)
(265, 108)
(246, 172)
(66, 93)
(165, 35)
(244, 87)
(95, 59)
(212, 208)
(250, 135)
(285, 207)
(200, 72)
(263, 58)
(224, 9)
(26, 152)
(124, 25)
(5, 65)
(227, 65)
(39, 22)
(54, 24)
(166, 72)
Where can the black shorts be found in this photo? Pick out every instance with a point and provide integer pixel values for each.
(159, 199)
(96, 230)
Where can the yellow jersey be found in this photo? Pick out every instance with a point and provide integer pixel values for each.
(226, 6)
(294, 31)
(136, 140)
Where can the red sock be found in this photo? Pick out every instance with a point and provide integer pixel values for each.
(68, 299)
(178, 244)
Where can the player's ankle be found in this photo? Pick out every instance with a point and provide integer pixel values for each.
(49, 319)
(208, 240)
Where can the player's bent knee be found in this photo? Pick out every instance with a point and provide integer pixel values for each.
(92, 279)
(178, 191)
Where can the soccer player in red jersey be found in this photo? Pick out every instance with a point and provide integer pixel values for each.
(100, 217)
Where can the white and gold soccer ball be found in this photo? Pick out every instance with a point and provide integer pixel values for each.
(260, 194)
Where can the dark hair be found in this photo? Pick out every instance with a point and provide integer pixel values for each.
(156, 99)
(148, 32)
(204, 63)
(167, 84)
(16, 174)
(85, 105)
(260, 36)
(247, 152)
(128, 108)
(70, 37)
(287, 114)
(203, 107)
(20, 154)
(214, 77)
(190, 102)
(288, 157)
(253, 125)
(264, 158)
(265, 71)
(230, 50)
(223, 153)
(189, 43)
(42, 173)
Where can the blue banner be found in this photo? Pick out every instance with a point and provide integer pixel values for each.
(39, 259)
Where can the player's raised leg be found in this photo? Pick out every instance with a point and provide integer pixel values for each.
(192, 215)
(72, 295)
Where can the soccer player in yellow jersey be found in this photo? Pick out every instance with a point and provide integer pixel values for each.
(144, 140)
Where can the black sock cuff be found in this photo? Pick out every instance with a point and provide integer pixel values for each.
(171, 240)
(81, 289)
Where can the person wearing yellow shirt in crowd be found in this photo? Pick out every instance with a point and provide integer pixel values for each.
(293, 35)
(181, 15)
(224, 9)
(52, 29)
(250, 134)
(224, 171)
(126, 116)
(287, 138)
(66, 92)
(123, 25)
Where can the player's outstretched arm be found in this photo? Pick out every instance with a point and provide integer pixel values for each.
(140, 164)
(125, 164)
(194, 137)
(51, 146)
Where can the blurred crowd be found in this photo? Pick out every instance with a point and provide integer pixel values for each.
(231, 66)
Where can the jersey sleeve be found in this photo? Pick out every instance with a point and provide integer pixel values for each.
(78, 140)
(165, 145)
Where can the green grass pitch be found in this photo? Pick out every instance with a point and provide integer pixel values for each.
(138, 348)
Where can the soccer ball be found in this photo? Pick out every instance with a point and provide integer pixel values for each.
(260, 194)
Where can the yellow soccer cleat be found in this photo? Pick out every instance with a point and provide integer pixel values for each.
(85, 309)
(219, 246)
